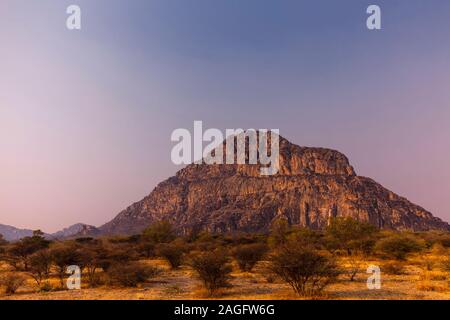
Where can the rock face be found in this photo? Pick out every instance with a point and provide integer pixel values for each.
(312, 185)
(78, 230)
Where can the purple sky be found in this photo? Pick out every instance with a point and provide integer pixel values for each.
(86, 116)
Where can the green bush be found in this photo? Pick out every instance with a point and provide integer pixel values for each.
(159, 232)
(350, 235)
(306, 270)
(398, 246)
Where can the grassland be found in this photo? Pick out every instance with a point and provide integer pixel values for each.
(419, 280)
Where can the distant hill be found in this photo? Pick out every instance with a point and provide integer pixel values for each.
(13, 234)
(76, 229)
(312, 186)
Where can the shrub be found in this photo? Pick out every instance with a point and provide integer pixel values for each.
(279, 232)
(146, 249)
(91, 259)
(428, 264)
(108, 255)
(45, 287)
(306, 236)
(433, 276)
(248, 255)
(12, 282)
(159, 232)
(64, 255)
(213, 268)
(304, 269)
(39, 265)
(446, 265)
(398, 246)
(350, 235)
(394, 268)
(19, 252)
(132, 274)
(173, 253)
(353, 266)
(425, 285)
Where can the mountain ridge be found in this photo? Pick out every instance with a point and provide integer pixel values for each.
(11, 233)
(312, 186)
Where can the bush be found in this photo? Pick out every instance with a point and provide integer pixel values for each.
(132, 274)
(45, 287)
(394, 268)
(350, 235)
(64, 255)
(159, 232)
(304, 269)
(213, 268)
(173, 253)
(398, 246)
(446, 265)
(18, 253)
(39, 265)
(353, 266)
(12, 282)
(248, 255)
(279, 232)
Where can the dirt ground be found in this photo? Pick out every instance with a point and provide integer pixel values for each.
(182, 283)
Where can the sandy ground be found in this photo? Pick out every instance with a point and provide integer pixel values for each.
(182, 284)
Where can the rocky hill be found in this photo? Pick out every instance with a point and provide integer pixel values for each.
(312, 185)
(13, 234)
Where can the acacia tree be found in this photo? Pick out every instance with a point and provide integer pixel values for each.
(159, 232)
(213, 268)
(279, 232)
(248, 255)
(350, 235)
(17, 255)
(39, 265)
(63, 256)
(307, 271)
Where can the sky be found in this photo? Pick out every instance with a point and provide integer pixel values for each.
(86, 115)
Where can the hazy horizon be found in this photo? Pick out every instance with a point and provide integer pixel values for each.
(86, 116)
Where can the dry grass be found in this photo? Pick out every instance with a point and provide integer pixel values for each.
(417, 282)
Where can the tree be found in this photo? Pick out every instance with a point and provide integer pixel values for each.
(213, 268)
(39, 265)
(159, 232)
(63, 256)
(19, 252)
(92, 257)
(248, 255)
(350, 235)
(130, 275)
(173, 252)
(279, 232)
(11, 282)
(303, 268)
(398, 246)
